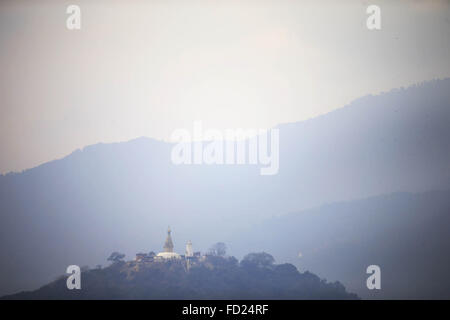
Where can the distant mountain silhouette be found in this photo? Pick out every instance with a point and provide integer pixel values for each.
(256, 277)
(406, 234)
(122, 196)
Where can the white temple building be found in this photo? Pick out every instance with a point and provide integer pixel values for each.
(168, 249)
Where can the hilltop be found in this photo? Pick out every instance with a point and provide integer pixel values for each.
(256, 276)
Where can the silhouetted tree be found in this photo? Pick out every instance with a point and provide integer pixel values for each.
(116, 257)
(286, 269)
(218, 249)
(260, 259)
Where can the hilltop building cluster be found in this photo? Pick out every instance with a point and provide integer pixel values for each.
(168, 253)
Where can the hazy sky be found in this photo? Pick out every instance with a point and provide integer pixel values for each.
(145, 68)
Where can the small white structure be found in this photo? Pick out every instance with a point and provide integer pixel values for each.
(189, 251)
(169, 255)
(168, 248)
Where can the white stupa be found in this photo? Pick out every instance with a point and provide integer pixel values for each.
(168, 248)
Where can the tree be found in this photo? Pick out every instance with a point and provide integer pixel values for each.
(259, 259)
(218, 249)
(116, 257)
(287, 270)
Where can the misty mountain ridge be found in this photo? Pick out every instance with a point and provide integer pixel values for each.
(406, 234)
(122, 196)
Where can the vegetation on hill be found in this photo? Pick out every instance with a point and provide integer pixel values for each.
(211, 277)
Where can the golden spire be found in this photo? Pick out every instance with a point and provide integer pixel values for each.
(168, 245)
